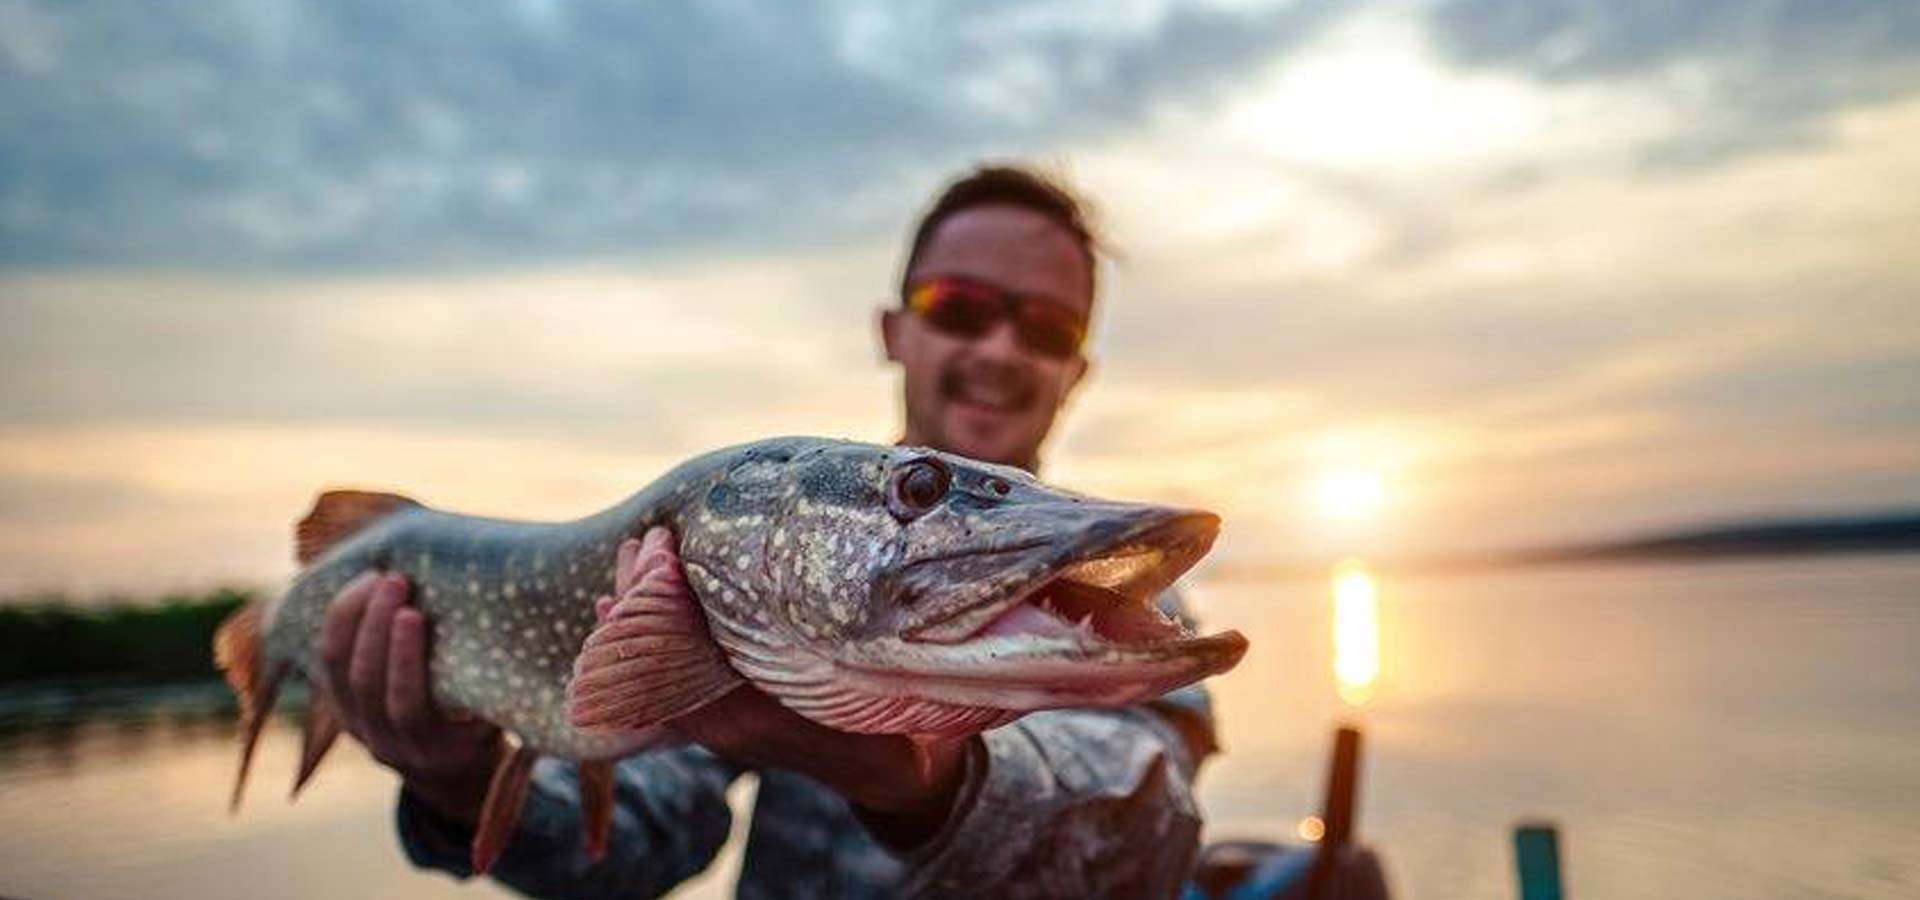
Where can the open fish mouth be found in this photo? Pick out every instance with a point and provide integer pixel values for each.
(1103, 593)
(1083, 627)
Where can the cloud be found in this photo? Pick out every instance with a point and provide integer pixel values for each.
(1589, 354)
(665, 355)
(241, 132)
(1753, 74)
(517, 257)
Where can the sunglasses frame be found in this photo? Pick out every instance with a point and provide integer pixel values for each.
(1012, 307)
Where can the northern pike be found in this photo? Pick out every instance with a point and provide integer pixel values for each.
(870, 588)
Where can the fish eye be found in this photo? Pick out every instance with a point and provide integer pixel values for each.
(916, 486)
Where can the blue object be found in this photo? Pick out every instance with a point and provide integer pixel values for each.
(1536, 852)
(1279, 872)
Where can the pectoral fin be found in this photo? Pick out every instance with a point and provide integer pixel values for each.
(652, 662)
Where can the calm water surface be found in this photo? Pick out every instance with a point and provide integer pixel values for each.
(1725, 730)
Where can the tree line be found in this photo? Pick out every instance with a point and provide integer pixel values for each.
(53, 637)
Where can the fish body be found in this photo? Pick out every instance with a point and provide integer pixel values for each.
(511, 602)
(871, 588)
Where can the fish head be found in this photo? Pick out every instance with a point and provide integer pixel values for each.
(918, 591)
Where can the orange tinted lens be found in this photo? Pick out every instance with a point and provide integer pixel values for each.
(1048, 331)
(955, 309)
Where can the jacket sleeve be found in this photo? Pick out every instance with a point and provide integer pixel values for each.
(670, 820)
(1076, 803)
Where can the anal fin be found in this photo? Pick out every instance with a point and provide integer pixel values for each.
(505, 795)
(651, 661)
(596, 806)
(322, 727)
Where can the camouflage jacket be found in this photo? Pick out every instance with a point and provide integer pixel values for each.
(1068, 803)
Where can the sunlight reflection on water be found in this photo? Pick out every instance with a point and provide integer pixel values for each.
(1727, 730)
(1356, 632)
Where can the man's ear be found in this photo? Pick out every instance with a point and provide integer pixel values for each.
(890, 333)
(1080, 366)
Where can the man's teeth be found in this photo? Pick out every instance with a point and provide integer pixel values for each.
(984, 395)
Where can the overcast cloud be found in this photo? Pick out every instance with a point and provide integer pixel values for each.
(1553, 268)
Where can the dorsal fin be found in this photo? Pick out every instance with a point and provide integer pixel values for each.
(336, 515)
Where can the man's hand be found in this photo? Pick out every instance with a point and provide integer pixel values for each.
(374, 647)
(905, 796)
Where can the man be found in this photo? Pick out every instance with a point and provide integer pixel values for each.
(997, 293)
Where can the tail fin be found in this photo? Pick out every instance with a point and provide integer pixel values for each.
(255, 681)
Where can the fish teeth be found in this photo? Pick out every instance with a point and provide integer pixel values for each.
(1083, 633)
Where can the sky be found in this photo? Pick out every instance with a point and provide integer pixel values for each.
(1390, 277)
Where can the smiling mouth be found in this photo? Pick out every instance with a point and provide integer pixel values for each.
(1102, 599)
(999, 397)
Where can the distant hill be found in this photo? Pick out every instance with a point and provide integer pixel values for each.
(1890, 532)
(1879, 533)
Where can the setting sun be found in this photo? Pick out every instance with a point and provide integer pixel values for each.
(1351, 494)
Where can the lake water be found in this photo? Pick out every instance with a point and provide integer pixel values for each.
(1733, 730)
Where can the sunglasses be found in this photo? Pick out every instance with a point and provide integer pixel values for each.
(969, 309)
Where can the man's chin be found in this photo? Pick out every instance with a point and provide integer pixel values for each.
(988, 434)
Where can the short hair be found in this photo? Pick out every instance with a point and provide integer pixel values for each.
(1009, 185)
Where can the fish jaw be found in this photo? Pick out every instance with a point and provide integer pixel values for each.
(1073, 622)
(1109, 564)
(1025, 672)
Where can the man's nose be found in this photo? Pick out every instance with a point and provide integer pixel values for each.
(1001, 341)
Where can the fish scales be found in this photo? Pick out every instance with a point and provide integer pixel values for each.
(510, 602)
(871, 588)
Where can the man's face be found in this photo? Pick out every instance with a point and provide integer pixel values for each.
(990, 397)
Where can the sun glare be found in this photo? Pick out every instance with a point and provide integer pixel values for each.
(1352, 494)
(1356, 632)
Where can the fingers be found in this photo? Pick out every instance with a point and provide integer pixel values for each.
(623, 566)
(408, 707)
(367, 671)
(659, 583)
(657, 551)
(337, 633)
(664, 578)
(602, 607)
(648, 567)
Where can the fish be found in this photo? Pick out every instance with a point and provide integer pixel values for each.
(871, 588)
